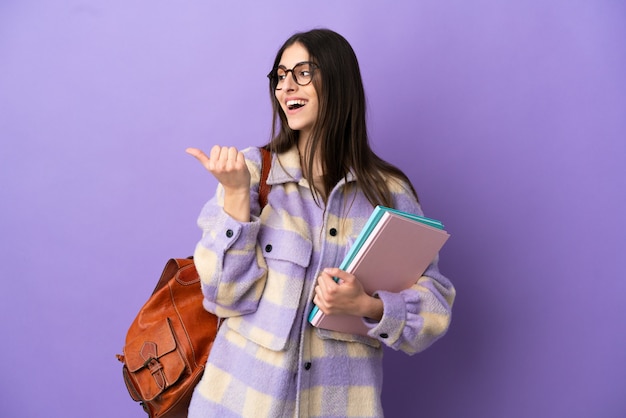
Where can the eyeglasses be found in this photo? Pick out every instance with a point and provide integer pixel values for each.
(302, 74)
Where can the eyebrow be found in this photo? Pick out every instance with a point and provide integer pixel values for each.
(287, 68)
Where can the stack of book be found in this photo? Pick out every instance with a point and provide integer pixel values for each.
(390, 254)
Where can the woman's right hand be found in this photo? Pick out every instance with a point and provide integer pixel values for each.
(228, 166)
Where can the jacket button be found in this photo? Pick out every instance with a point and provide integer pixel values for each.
(333, 232)
(384, 335)
(268, 248)
(307, 365)
(229, 233)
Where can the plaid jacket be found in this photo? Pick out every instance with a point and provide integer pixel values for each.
(267, 360)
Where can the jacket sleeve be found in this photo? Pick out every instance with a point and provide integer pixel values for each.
(230, 265)
(415, 318)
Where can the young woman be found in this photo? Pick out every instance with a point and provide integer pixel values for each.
(262, 270)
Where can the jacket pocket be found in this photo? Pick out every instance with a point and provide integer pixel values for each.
(327, 334)
(285, 246)
(287, 258)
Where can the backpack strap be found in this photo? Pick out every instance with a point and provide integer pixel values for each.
(264, 188)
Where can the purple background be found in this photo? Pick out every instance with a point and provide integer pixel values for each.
(510, 117)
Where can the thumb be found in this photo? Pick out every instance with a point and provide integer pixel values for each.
(199, 155)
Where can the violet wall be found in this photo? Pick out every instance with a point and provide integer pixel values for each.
(510, 117)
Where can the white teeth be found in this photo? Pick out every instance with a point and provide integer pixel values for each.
(296, 103)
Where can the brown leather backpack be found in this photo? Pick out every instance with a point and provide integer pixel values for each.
(168, 343)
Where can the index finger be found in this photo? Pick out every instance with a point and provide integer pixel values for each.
(337, 274)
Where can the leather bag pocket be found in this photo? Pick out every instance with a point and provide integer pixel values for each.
(154, 361)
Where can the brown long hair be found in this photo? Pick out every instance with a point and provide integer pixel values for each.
(340, 132)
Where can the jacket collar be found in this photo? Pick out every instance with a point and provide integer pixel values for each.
(286, 168)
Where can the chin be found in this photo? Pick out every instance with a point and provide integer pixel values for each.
(298, 125)
(295, 127)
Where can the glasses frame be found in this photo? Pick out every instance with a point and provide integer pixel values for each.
(273, 75)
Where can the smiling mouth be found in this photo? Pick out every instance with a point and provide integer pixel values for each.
(295, 104)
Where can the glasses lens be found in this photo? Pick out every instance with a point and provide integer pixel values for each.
(277, 76)
(303, 73)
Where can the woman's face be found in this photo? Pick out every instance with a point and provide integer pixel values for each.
(299, 103)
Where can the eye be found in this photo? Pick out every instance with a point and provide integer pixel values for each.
(281, 73)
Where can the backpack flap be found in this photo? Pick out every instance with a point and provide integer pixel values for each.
(153, 360)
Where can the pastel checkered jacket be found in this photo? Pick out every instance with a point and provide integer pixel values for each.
(267, 360)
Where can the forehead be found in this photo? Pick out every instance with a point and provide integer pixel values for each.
(294, 54)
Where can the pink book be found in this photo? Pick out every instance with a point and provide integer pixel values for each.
(391, 255)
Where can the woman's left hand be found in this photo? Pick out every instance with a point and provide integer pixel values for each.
(346, 296)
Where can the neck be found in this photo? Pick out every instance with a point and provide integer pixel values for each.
(303, 150)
